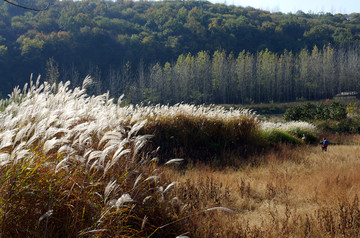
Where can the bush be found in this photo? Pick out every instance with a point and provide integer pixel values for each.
(348, 125)
(310, 112)
(200, 132)
(337, 111)
(304, 112)
(275, 137)
(310, 137)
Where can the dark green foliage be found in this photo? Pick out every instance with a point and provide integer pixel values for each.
(327, 117)
(348, 125)
(304, 112)
(310, 112)
(337, 111)
(305, 135)
(101, 37)
(275, 137)
(322, 112)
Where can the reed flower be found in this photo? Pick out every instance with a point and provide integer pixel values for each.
(287, 126)
(71, 153)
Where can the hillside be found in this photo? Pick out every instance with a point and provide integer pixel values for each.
(119, 43)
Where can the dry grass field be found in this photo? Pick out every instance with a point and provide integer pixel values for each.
(300, 192)
(74, 165)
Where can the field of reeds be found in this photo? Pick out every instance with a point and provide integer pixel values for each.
(74, 165)
(294, 193)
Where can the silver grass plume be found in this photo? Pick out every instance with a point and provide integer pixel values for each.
(87, 82)
(125, 198)
(111, 187)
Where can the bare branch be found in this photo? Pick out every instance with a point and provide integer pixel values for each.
(27, 8)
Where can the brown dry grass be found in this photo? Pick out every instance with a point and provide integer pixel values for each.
(300, 192)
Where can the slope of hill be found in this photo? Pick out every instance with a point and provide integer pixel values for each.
(117, 42)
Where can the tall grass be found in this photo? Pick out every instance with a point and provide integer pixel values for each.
(213, 133)
(71, 166)
(299, 192)
(202, 133)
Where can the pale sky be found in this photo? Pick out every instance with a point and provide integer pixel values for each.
(286, 6)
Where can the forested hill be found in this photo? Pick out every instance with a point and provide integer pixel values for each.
(125, 47)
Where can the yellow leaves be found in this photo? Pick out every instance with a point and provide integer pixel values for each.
(3, 50)
(31, 46)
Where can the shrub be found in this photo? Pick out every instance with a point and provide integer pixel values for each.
(348, 125)
(309, 136)
(337, 111)
(310, 112)
(275, 137)
(201, 136)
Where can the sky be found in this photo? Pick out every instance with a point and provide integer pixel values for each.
(307, 6)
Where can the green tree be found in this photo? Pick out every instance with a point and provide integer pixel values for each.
(52, 71)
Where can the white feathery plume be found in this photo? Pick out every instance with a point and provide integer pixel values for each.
(95, 164)
(37, 81)
(38, 134)
(107, 167)
(94, 155)
(53, 131)
(15, 94)
(87, 153)
(19, 155)
(220, 208)
(80, 128)
(114, 160)
(31, 129)
(121, 147)
(51, 144)
(4, 158)
(113, 136)
(105, 153)
(65, 149)
(22, 133)
(137, 180)
(46, 215)
(125, 198)
(174, 161)
(183, 235)
(153, 177)
(144, 222)
(146, 199)
(25, 88)
(61, 165)
(85, 139)
(120, 99)
(170, 186)
(7, 138)
(111, 187)
(139, 142)
(79, 158)
(135, 128)
(119, 153)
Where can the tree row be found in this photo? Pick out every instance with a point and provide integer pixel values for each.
(223, 78)
(89, 34)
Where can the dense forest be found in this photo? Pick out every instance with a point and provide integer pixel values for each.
(174, 51)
